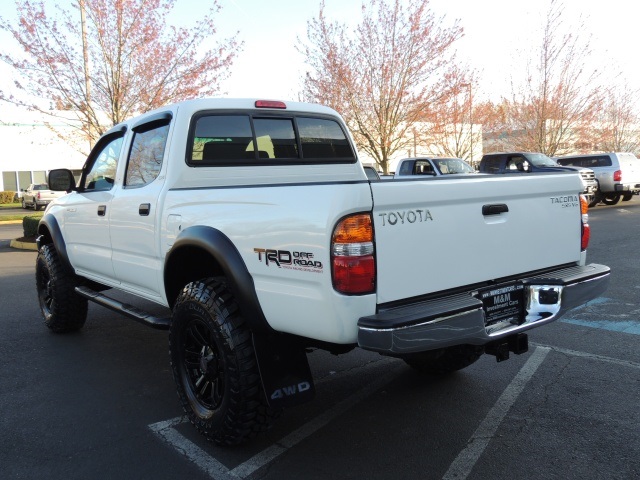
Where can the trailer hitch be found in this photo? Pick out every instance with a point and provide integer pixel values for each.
(517, 344)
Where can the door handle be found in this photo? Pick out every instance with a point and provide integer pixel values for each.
(495, 209)
(144, 209)
(102, 210)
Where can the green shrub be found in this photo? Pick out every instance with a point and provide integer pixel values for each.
(30, 225)
(7, 197)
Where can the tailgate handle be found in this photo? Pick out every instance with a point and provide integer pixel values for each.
(495, 209)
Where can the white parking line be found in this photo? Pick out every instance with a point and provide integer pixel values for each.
(467, 458)
(195, 454)
(592, 356)
(216, 470)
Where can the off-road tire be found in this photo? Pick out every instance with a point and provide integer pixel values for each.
(214, 365)
(62, 308)
(611, 198)
(445, 360)
(627, 196)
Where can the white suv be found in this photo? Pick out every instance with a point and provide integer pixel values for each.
(618, 174)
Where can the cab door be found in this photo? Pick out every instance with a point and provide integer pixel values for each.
(134, 210)
(86, 215)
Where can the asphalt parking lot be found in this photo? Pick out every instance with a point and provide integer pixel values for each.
(101, 403)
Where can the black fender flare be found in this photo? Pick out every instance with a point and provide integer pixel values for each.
(225, 253)
(50, 223)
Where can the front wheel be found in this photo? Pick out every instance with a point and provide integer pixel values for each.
(62, 308)
(24, 204)
(444, 360)
(214, 364)
(611, 198)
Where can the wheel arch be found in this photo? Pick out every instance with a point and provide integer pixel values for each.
(49, 232)
(201, 252)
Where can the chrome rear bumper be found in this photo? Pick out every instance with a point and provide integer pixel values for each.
(460, 319)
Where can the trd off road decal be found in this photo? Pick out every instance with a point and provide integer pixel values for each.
(303, 261)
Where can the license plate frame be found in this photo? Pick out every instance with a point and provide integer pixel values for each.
(503, 304)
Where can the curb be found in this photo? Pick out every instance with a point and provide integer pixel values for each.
(10, 222)
(23, 245)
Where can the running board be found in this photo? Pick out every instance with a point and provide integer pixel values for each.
(125, 309)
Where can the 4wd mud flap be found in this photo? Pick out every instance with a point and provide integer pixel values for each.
(284, 370)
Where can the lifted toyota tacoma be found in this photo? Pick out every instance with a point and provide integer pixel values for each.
(255, 224)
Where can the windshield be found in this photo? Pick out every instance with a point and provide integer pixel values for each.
(541, 160)
(448, 166)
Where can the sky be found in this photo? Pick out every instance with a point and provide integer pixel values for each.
(496, 33)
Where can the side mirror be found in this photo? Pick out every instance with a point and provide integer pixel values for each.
(61, 180)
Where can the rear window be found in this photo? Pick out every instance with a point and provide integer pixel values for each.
(588, 162)
(243, 139)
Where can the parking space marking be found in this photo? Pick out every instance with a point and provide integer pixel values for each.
(195, 454)
(216, 470)
(629, 326)
(592, 356)
(469, 456)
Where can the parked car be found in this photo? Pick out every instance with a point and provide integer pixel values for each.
(38, 196)
(432, 166)
(530, 162)
(618, 174)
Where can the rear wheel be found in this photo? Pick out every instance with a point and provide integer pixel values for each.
(627, 196)
(214, 365)
(62, 308)
(611, 198)
(444, 360)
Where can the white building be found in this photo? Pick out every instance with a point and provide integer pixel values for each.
(30, 149)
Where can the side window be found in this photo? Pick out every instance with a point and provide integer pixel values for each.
(493, 165)
(219, 138)
(145, 157)
(516, 164)
(604, 161)
(103, 171)
(423, 168)
(323, 139)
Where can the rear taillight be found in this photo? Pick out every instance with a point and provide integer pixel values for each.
(38, 196)
(586, 230)
(352, 255)
(617, 176)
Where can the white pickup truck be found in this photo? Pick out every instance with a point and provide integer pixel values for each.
(38, 195)
(255, 224)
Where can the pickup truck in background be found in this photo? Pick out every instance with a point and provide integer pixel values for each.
(38, 195)
(254, 224)
(529, 162)
(432, 166)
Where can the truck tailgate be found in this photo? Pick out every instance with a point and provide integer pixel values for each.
(442, 233)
